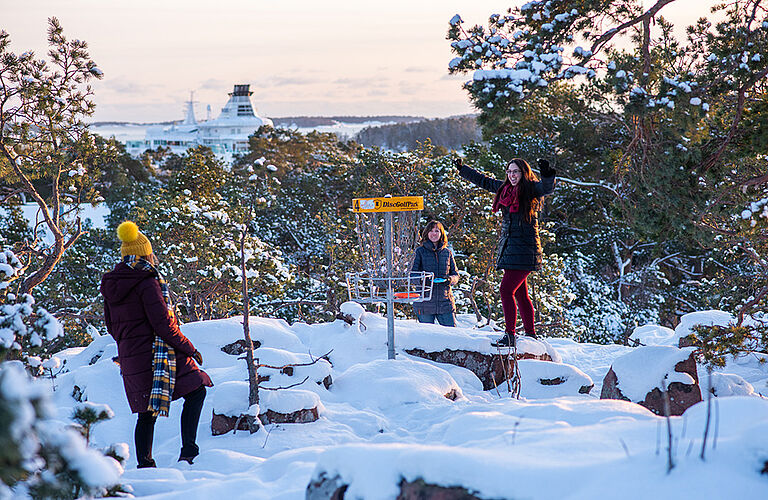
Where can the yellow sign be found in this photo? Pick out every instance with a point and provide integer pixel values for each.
(393, 204)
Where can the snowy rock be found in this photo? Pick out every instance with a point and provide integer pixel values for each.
(292, 406)
(238, 347)
(544, 379)
(639, 376)
(707, 318)
(491, 368)
(353, 309)
(729, 384)
(324, 487)
(388, 383)
(653, 335)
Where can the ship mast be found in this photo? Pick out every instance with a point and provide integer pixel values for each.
(189, 119)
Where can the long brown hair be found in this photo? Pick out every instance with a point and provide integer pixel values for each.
(443, 236)
(529, 203)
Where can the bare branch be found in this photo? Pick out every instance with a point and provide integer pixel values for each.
(285, 387)
(315, 360)
(746, 307)
(608, 35)
(741, 98)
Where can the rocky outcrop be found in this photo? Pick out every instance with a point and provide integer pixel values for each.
(491, 369)
(238, 347)
(421, 490)
(221, 424)
(584, 389)
(326, 488)
(333, 488)
(681, 395)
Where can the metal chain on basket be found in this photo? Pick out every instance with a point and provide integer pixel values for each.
(405, 236)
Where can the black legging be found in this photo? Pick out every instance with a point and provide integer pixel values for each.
(190, 417)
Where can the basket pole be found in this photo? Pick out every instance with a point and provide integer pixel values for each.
(390, 292)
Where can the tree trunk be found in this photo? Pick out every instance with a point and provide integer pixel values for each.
(253, 378)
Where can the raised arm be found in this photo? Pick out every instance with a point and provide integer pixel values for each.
(547, 184)
(478, 179)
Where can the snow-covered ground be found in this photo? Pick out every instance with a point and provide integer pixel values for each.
(384, 420)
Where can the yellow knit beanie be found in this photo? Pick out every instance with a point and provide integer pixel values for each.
(134, 243)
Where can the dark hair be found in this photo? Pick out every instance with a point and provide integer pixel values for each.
(431, 225)
(529, 203)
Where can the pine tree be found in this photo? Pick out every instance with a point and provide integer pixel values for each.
(45, 145)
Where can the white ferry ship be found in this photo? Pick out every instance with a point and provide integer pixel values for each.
(227, 135)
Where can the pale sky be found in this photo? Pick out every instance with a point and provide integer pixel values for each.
(301, 57)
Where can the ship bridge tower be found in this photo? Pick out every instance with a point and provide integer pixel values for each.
(239, 104)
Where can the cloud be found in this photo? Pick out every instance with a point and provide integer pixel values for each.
(419, 69)
(215, 84)
(122, 85)
(357, 82)
(455, 76)
(294, 80)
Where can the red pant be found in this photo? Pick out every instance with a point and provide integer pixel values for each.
(514, 296)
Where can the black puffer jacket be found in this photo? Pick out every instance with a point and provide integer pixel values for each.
(519, 246)
(440, 262)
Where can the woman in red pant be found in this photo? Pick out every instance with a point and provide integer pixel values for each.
(519, 248)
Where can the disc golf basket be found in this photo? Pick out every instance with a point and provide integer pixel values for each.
(388, 233)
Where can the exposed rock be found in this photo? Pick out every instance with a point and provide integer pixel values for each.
(687, 341)
(326, 488)
(221, 424)
(77, 394)
(681, 396)
(333, 488)
(420, 490)
(489, 368)
(96, 357)
(551, 381)
(347, 318)
(453, 395)
(303, 416)
(584, 389)
(610, 387)
(237, 348)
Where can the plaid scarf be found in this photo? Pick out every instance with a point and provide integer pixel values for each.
(164, 357)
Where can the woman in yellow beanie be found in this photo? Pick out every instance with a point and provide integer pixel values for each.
(157, 362)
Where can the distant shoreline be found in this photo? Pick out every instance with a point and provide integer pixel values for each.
(301, 121)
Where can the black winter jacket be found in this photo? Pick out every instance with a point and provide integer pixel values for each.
(440, 262)
(519, 246)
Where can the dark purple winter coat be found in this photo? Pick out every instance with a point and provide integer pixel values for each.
(135, 312)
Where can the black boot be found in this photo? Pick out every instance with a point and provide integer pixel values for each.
(507, 340)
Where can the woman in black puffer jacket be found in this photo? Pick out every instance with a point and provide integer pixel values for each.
(434, 256)
(518, 251)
